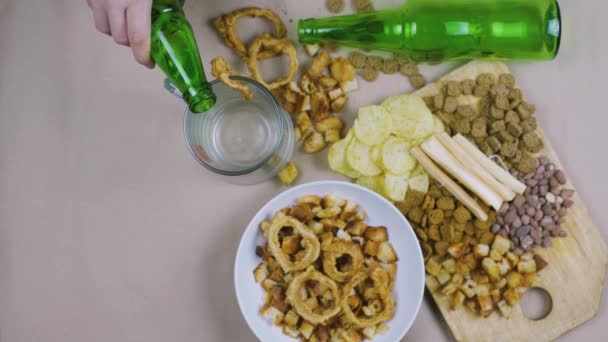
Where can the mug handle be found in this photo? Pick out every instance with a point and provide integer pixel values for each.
(170, 87)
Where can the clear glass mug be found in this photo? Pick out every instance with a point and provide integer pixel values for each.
(245, 141)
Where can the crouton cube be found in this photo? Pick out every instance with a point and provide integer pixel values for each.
(457, 300)
(386, 253)
(501, 245)
(481, 251)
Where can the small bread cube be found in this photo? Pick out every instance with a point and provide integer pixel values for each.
(457, 250)
(306, 329)
(349, 210)
(314, 143)
(332, 136)
(342, 235)
(356, 228)
(303, 103)
(369, 332)
(504, 308)
(449, 265)
(512, 296)
(513, 259)
(481, 251)
(527, 256)
(293, 86)
(486, 306)
(495, 255)
(290, 244)
(335, 93)
(501, 283)
(526, 266)
(311, 50)
(339, 223)
(449, 288)
(310, 199)
(371, 248)
(288, 174)
(332, 122)
(529, 279)
(514, 280)
(382, 328)
(331, 201)
(501, 245)
(303, 122)
(273, 315)
(328, 82)
(432, 284)
(376, 234)
(540, 263)
(260, 273)
(316, 227)
(491, 269)
(329, 212)
(443, 277)
(349, 86)
(504, 267)
(291, 318)
(290, 96)
(268, 284)
(433, 267)
(462, 268)
(457, 300)
(472, 305)
(457, 279)
(468, 292)
(338, 104)
(495, 294)
(291, 331)
(359, 240)
(481, 290)
(386, 253)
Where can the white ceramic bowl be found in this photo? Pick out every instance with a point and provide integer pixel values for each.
(409, 285)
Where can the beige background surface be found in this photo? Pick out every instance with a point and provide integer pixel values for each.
(110, 231)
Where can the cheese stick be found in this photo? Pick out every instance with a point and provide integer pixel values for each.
(499, 173)
(448, 183)
(433, 148)
(473, 166)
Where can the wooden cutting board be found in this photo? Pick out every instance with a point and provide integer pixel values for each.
(573, 279)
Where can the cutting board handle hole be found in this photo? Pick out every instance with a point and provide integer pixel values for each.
(536, 303)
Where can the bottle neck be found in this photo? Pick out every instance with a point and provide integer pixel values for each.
(200, 98)
(379, 30)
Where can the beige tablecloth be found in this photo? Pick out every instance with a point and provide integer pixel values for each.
(110, 231)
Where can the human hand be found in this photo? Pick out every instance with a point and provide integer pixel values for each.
(128, 22)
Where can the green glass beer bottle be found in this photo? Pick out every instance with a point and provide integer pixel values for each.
(174, 50)
(437, 30)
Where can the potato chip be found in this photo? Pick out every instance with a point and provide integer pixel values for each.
(376, 154)
(438, 125)
(395, 187)
(374, 183)
(373, 125)
(418, 170)
(359, 158)
(396, 158)
(411, 119)
(337, 157)
(420, 183)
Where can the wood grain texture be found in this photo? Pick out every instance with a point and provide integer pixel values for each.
(574, 277)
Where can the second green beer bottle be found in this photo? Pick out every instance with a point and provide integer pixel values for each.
(436, 30)
(174, 50)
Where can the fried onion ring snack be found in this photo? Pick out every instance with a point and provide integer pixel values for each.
(380, 300)
(310, 242)
(222, 71)
(265, 43)
(226, 27)
(332, 255)
(323, 284)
